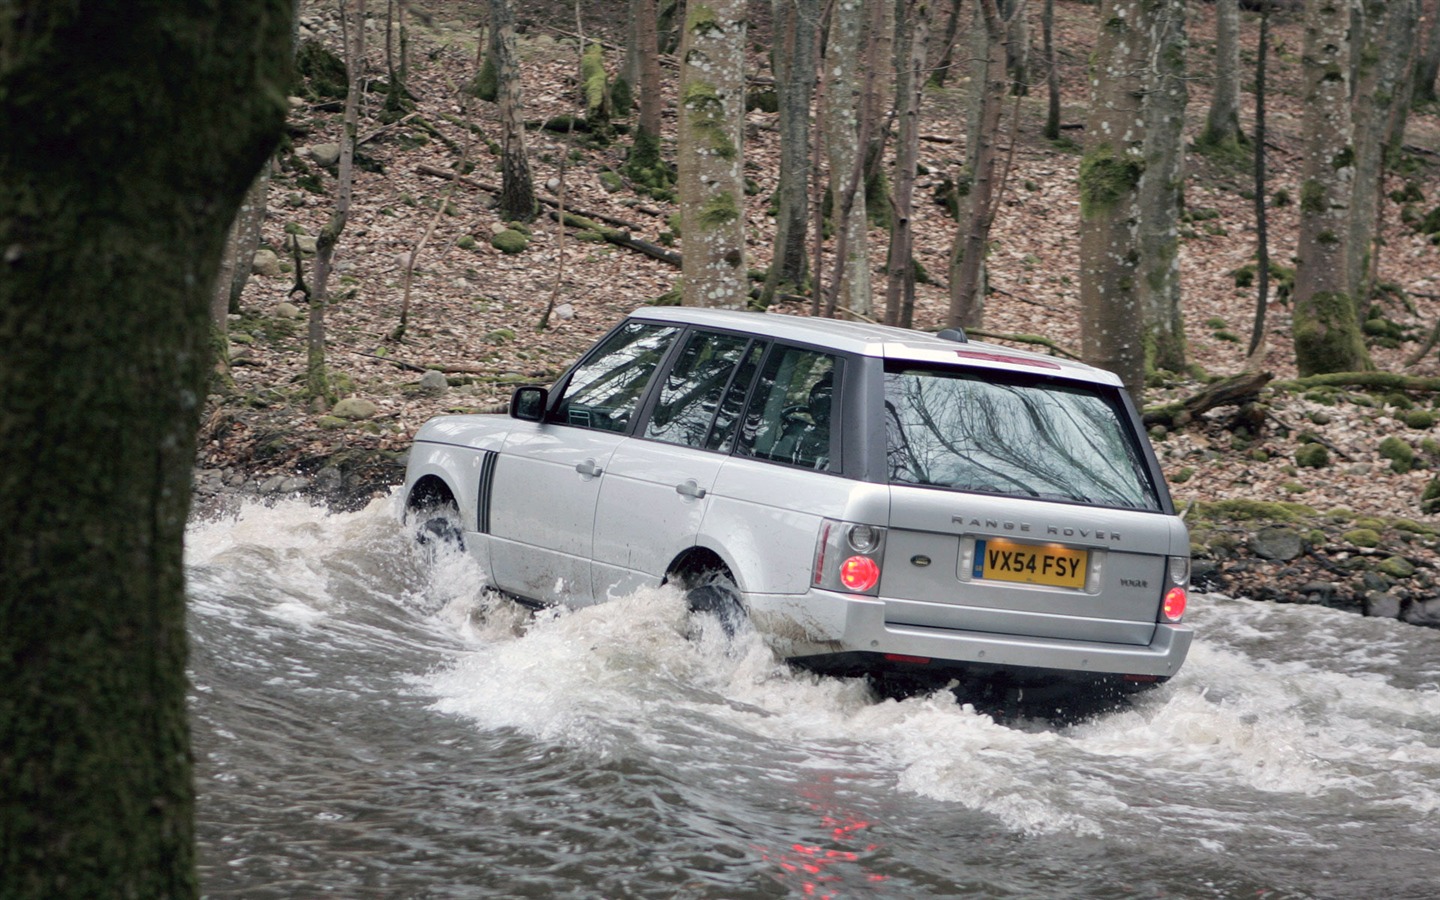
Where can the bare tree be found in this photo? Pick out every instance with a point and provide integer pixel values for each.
(1052, 72)
(1222, 122)
(977, 207)
(1384, 67)
(1326, 332)
(909, 85)
(796, 24)
(941, 70)
(1427, 68)
(1112, 315)
(844, 146)
(712, 190)
(108, 252)
(517, 188)
(317, 379)
(644, 163)
(1255, 354)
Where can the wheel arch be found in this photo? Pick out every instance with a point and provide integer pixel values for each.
(695, 562)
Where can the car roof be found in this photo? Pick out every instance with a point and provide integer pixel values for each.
(883, 341)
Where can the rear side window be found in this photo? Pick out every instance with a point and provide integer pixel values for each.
(607, 386)
(788, 419)
(690, 395)
(1027, 438)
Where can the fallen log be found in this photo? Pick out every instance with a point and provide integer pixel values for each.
(1232, 391)
(619, 237)
(448, 175)
(1390, 381)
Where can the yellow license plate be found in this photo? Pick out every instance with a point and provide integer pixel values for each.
(1049, 564)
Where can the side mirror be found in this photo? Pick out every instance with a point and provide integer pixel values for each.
(528, 403)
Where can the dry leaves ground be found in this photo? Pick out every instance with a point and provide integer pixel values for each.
(476, 312)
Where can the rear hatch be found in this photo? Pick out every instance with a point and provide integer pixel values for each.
(1022, 505)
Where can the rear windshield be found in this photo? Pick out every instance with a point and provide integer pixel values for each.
(968, 431)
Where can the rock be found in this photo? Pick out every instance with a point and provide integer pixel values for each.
(510, 241)
(354, 408)
(287, 310)
(1397, 567)
(306, 243)
(265, 263)
(325, 154)
(1277, 542)
(1318, 592)
(434, 382)
(1205, 574)
(1425, 612)
(565, 312)
(1382, 605)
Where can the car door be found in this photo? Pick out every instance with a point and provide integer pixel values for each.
(549, 476)
(658, 485)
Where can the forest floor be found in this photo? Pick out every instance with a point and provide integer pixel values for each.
(479, 315)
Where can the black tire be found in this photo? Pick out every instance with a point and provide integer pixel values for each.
(440, 527)
(717, 596)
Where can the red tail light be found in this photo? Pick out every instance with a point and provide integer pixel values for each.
(1173, 609)
(859, 573)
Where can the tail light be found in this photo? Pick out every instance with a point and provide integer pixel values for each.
(847, 557)
(1172, 605)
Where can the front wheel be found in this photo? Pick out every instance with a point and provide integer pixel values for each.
(439, 526)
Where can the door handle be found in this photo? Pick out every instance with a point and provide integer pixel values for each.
(588, 468)
(690, 489)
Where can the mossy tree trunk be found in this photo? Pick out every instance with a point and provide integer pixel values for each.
(1112, 312)
(112, 221)
(844, 148)
(1325, 328)
(1382, 71)
(711, 182)
(796, 23)
(1222, 121)
(1161, 185)
(972, 238)
(517, 187)
(1255, 355)
(909, 86)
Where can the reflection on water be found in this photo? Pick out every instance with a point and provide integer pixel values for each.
(367, 724)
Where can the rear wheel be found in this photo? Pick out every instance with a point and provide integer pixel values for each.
(715, 595)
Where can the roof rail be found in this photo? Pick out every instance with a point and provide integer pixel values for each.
(953, 334)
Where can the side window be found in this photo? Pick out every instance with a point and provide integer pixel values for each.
(722, 435)
(691, 392)
(788, 419)
(605, 389)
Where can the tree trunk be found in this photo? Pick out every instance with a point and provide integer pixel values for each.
(1255, 355)
(1112, 315)
(1017, 45)
(1383, 50)
(1428, 67)
(1222, 123)
(1052, 73)
(712, 111)
(941, 70)
(844, 149)
(796, 24)
(317, 378)
(107, 258)
(878, 97)
(909, 86)
(967, 285)
(1325, 331)
(1158, 238)
(517, 188)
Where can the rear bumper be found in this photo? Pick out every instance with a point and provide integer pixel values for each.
(825, 623)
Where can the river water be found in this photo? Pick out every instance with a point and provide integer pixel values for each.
(368, 723)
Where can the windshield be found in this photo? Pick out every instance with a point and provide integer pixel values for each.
(969, 432)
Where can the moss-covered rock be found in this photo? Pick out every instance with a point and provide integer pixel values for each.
(1312, 456)
(1397, 567)
(1363, 537)
(1400, 454)
(510, 241)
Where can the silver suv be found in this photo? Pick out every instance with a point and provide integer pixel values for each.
(873, 500)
